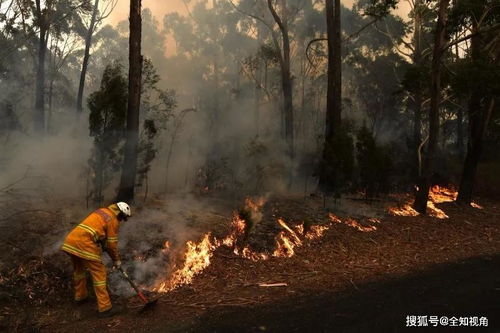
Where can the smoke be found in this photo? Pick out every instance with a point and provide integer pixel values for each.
(231, 146)
(53, 165)
(153, 241)
(357, 208)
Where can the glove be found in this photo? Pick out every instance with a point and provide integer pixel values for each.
(117, 264)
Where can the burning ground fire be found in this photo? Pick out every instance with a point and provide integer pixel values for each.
(197, 256)
(437, 195)
(355, 224)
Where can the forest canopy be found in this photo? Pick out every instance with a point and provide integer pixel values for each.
(234, 95)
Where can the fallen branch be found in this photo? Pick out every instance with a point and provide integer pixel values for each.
(208, 305)
(280, 284)
(299, 273)
(352, 282)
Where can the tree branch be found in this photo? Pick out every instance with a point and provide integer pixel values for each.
(312, 41)
(356, 34)
(260, 19)
(469, 36)
(346, 39)
(250, 75)
(276, 16)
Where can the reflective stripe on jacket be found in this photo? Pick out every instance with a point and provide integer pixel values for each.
(100, 226)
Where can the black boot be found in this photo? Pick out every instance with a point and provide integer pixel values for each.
(82, 301)
(116, 309)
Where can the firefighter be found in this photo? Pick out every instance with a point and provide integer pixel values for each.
(84, 243)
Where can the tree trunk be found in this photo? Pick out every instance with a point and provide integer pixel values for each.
(257, 99)
(286, 80)
(479, 113)
(215, 96)
(258, 86)
(460, 110)
(129, 170)
(303, 117)
(334, 91)
(86, 56)
(460, 133)
(417, 106)
(99, 182)
(422, 195)
(474, 149)
(169, 155)
(49, 111)
(39, 120)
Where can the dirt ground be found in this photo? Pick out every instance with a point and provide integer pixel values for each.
(346, 281)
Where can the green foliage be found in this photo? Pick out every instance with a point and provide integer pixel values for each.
(482, 75)
(147, 150)
(373, 162)
(107, 120)
(108, 109)
(261, 166)
(156, 104)
(215, 175)
(156, 110)
(464, 12)
(377, 8)
(269, 53)
(108, 106)
(416, 77)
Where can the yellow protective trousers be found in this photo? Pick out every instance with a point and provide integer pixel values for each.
(98, 273)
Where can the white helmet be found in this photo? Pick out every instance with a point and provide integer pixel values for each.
(124, 208)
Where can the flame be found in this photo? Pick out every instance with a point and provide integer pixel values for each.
(316, 231)
(255, 204)
(249, 254)
(435, 212)
(440, 194)
(475, 205)
(334, 218)
(285, 244)
(166, 247)
(355, 224)
(286, 241)
(197, 258)
(405, 210)
(238, 228)
(292, 233)
(197, 255)
(437, 194)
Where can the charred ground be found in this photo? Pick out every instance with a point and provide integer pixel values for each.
(347, 281)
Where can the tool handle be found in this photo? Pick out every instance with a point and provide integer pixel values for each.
(139, 293)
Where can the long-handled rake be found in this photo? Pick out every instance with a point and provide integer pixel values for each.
(148, 304)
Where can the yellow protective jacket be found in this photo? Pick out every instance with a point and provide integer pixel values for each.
(99, 227)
